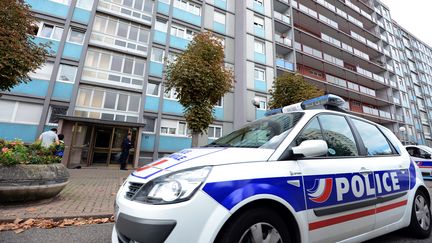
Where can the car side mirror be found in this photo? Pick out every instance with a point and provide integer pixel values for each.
(427, 156)
(310, 148)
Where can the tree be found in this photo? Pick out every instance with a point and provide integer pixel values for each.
(200, 79)
(290, 89)
(19, 55)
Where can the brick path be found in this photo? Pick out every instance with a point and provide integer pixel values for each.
(89, 193)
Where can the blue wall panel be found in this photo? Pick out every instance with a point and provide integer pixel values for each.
(10, 131)
(220, 3)
(218, 113)
(260, 85)
(147, 142)
(218, 27)
(54, 46)
(72, 50)
(186, 16)
(62, 91)
(81, 15)
(259, 113)
(259, 57)
(151, 103)
(259, 32)
(168, 143)
(49, 7)
(172, 106)
(159, 37)
(35, 87)
(156, 69)
(163, 8)
(178, 42)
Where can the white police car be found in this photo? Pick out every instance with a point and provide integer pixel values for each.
(298, 176)
(422, 157)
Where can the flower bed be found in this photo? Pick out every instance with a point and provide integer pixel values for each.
(30, 172)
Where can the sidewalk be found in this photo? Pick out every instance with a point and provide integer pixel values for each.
(89, 193)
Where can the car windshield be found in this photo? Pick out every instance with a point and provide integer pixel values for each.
(266, 132)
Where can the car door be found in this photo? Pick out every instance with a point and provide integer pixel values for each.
(339, 200)
(391, 172)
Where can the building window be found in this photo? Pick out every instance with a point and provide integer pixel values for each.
(20, 112)
(259, 74)
(50, 32)
(171, 94)
(85, 4)
(259, 2)
(107, 104)
(259, 47)
(109, 67)
(54, 112)
(188, 6)
(182, 32)
(214, 132)
(262, 103)
(157, 55)
(219, 103)
(258, 22)
(44, 72)
(150, 124)
(153, 88)
(65, 2)
(66, 73)
(76, 36)
(161, 26)
(219, 17)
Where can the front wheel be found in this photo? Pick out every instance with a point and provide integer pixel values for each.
(256, 225)
(420, 226)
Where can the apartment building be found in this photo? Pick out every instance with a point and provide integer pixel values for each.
(105, 74)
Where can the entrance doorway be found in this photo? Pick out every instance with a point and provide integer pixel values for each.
(99, 145)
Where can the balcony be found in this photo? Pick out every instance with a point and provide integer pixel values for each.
(285, 41)
(284, 18)
(126, 12)
(284, 64)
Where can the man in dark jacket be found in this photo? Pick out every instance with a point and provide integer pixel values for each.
(125, 147)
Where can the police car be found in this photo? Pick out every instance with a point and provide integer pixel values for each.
(422, 157)
(300, 174)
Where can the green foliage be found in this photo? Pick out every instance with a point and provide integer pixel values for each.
(18, 54)
(200, 79)
(290, 89)
(15, 152)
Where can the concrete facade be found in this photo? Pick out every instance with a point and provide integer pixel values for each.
(108, 60)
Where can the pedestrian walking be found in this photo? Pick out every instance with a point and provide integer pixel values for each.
(125, 147)
(49, 138)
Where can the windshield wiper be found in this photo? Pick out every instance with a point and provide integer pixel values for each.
(222, 145)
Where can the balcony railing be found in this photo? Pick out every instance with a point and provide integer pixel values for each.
(283, 18)
(282, 63)
(285, 41)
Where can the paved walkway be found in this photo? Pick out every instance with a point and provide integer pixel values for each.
(89, 193)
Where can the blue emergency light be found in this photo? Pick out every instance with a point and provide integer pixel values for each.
(329, 102)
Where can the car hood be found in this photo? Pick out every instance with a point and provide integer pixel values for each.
(197, 157)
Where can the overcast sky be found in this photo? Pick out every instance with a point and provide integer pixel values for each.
(413, 15)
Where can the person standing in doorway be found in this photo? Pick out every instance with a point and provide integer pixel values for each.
(125, 147)
(49, 138)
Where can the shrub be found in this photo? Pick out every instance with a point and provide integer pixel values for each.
(16, 152)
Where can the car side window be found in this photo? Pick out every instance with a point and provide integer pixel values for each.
(312, 131)
(373, 140)
(411, 150)
(338, 135)
(424, 154)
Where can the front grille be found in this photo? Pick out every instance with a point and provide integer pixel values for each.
(133, 188)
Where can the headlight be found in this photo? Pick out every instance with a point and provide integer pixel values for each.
(173, 188)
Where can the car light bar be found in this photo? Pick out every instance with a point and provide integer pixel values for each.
(329, 101)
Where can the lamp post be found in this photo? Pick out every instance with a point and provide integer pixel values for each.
(402, 130)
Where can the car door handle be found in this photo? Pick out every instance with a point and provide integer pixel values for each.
(365, 171)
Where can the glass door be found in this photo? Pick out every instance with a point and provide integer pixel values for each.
(102, 145)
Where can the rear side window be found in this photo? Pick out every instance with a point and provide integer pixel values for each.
(373, 139)
(311, 132)
(338, 135)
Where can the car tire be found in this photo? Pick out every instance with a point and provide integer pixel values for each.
(420, 226)
(255, 225)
